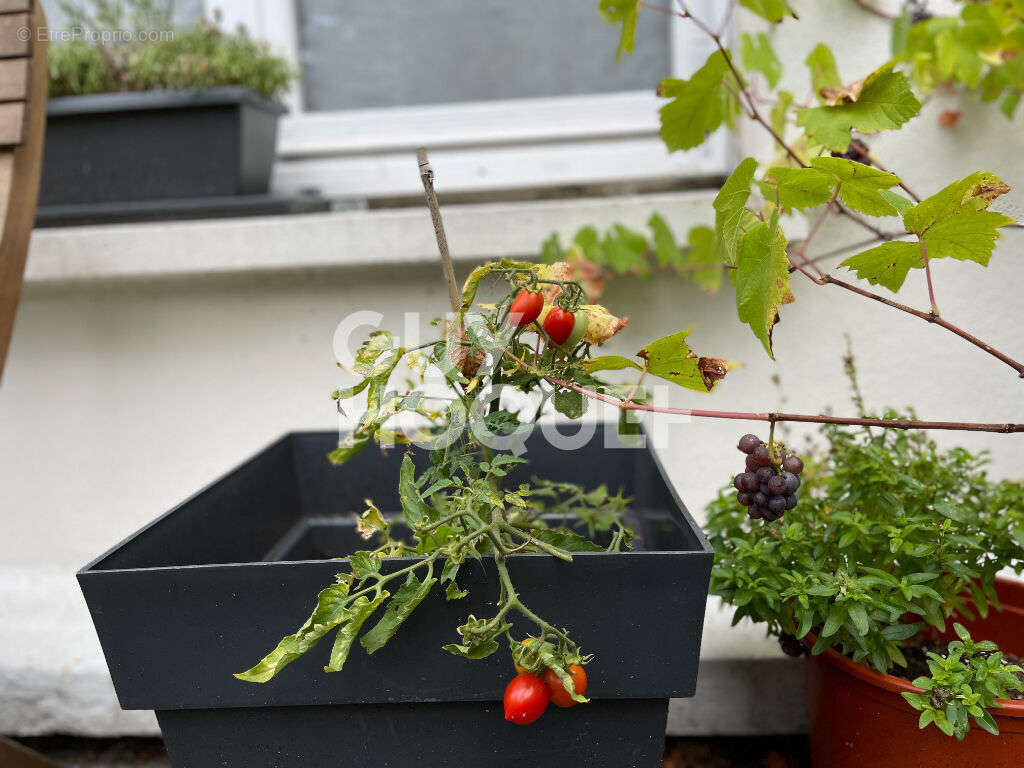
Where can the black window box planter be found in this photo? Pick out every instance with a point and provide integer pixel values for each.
(157, 145)
(208, 588)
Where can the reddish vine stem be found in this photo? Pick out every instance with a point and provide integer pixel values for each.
(771, 416)
(928, 279)
(873, 10)
(930, 318)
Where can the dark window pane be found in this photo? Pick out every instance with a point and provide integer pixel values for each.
(403, 52)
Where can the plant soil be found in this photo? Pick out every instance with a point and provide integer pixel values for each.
(917, 663)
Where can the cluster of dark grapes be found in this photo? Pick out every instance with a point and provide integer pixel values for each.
(768, 487)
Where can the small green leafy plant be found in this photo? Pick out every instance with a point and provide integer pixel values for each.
(891, 538)
(148, 53)
(965, 683)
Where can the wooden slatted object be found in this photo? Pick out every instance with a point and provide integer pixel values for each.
(23, 74)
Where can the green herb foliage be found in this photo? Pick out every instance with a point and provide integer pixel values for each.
(201, 56)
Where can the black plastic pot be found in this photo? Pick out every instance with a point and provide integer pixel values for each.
(208, 588)
(157, 145)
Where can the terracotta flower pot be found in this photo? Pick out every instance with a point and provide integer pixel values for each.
(860, 720)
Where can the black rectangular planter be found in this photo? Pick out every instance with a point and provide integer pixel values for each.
(207, 589)
(157, 145)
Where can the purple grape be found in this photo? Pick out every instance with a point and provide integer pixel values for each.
(764, 475)
(755, 513)
(738, 481)
(744, 498)
(752, 465)
(790, 501)
(777, 504)
(760, 499)
(790, 482)
(793, 464)
(762, 456)
(748, 443)
(750, 484)
(777, 485)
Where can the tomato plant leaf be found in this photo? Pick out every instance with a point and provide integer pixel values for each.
(762, 280)
(569, 403)
(401, 605)
(759, 56)
(354, 616)
(732, 218)
(567, 541)
(885, 101)
(328, 613)
(699, 105)
(416, 510)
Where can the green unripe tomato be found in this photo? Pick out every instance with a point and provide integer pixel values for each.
(579, 330)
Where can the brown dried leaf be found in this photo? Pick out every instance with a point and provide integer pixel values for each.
(842, 94)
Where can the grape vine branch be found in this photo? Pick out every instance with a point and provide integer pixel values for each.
(749, 107)
(628, 405)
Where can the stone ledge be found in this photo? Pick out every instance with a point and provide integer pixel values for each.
(341, 239)
(53, 677)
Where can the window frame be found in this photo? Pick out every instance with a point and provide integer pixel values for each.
(582, 140)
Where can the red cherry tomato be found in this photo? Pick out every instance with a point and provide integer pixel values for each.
(525, 308)
(559, 696)
(526, 698)
(558, 325)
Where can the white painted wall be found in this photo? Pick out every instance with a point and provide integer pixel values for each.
(125, 394)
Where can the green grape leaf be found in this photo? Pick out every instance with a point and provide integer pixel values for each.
(622, 12)
(822, 65)
(551, 250)
(402, 604)
(784, 100)
(759, 56)
(732, 218)
(860, 185)
(797, 187)
(762, 280)
(671, 358)
(625, 250)
(770, 10)
(896, 200)
(699, 105)
(886, 264)
(974, 192)
(665, 247)
(970, 236)
(885, 101)
(704, 254)
(330, 611)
